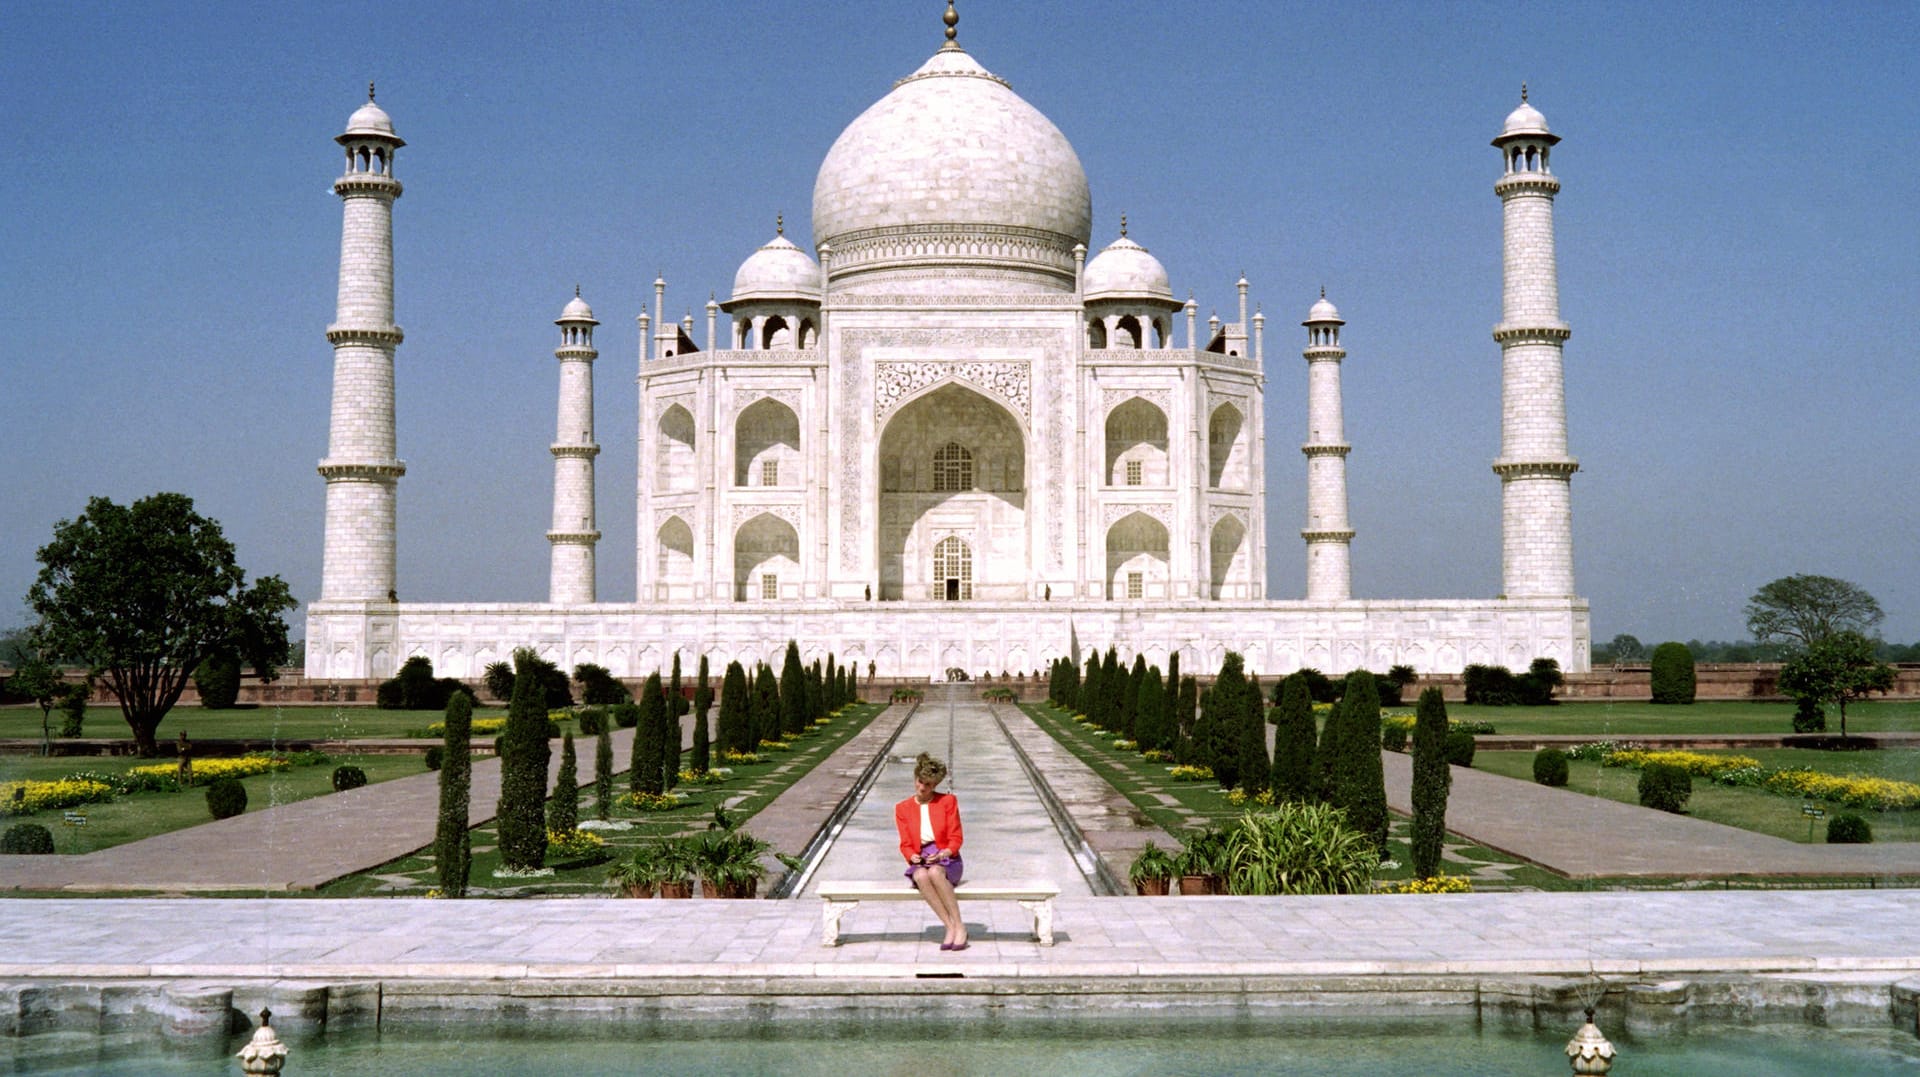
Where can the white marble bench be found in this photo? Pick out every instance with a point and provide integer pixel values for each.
(841, 897)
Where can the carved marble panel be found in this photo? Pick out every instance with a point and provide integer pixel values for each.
(1112, 512)
(1111, 398)
(893, 383)
(792, 513)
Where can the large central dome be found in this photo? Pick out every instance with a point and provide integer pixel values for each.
(952, 168)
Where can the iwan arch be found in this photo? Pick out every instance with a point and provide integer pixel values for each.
(950, 437)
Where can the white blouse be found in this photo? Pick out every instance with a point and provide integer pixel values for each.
(926, 824)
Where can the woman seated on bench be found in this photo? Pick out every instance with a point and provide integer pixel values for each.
(929, 823)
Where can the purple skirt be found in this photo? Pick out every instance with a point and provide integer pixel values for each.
(953, 866)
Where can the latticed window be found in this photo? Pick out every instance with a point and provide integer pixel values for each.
(769, 585)
(769, 472)
(952, 468)
(1136, 585)
(1134, 475)
(953, 569)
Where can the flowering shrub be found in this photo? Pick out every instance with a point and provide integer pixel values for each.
(652, 801)
(1157, 755)
(1187, 772)
(1695, 763)
(1595, 751)
(1239, 798)
(781, 745)
(573, 844)
(1322, 710)
(1125, 746)
(728, 755)
(1439, 884)
(1853, 790)
(27, 797)
(205, 770)
(713, 776)
(482, 727)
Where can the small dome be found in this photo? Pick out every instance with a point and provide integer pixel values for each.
(1126, 271)
(371, 119)
(1525, 120)
(1323, 311)
(577, 311)
(778, 270)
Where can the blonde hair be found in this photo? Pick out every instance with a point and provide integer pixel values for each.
(928, 769)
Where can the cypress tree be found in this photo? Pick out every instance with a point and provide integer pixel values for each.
(816, 694)
(603, 772)
(1293, 773)
(832, 685)
(1173, 679)
(1186, 703)
(1090, 687)
(1217, 735)
(793, 692)
(702, 703)
(521, 812)
(766, 706)
(1328, 753)
(1359, 784)
(1070, 684)
(676, 708)
(735, 727)
(1130, 698)
(649, 737)
(452, 851)
(1431, 781)
(1150, 712)
(563, 811)
(1250, 750)
(1113, 684)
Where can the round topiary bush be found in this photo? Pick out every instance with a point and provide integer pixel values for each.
(1849, 829)
(226, 798)
(1550, 767)
(434, 755)
(1459, 748)
(1672, 668)
(1665, 787)
(1393, 737)
(218, 681)
(27, 839)
(592, 721)
(626, 715)
(347, 776)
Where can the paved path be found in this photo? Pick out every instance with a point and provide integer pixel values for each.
(1618, 934)
(1586, 836)
(1009, 835)
(298, 846)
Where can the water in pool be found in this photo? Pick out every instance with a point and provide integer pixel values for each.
(1298, 1049)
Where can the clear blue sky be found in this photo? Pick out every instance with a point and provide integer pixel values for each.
(1738, 239)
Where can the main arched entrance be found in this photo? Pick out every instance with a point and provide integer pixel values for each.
(952, 497)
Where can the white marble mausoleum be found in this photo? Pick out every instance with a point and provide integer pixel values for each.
(950, 435)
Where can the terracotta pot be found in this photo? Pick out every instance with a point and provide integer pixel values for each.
(1216, 884)
(1156, 887)
(681, 889)
(1195, 884)
(638, 890)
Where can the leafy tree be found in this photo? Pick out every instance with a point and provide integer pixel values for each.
(523, 770)
(563, 811)
(452, 849)
(36, 679)
(73, 708)
(1837, 669)
(1808, 609)
(1292, 774)
(598, 687)
(735, 728)
(1625, 648)
(499, 680)
(1535, 686)
(1673, 680)
(793, 692)
(144, 593)
(603, 772)
(1431, 783)
(649, 740)
(702, 703)
(1250, 743)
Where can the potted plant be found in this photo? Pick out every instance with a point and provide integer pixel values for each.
(1152, 871)
(729, 861)
(678, 861)
(639, 873)
(1199, 861)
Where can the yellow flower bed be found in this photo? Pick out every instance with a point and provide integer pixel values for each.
(1239, 798)
(480, 727)
(27, 797)
(206, 770)
(728, 755)
(1189, 773)
(573, 844)
(1705, 766)
(1439, 884)
(651, 801)
(1853, 790)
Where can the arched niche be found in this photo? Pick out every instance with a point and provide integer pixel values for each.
(1136, 557)
(1137, 434)
(956, 459)
(766, 559)
(1227, 559)
(675, 542)
(766, 445)
(1227, 448)
(674, 454)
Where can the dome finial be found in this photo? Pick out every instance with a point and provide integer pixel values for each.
(369, 90)
(1523, 93)
(1123, 225)
(952, 19)
(779, 224)
(1323, 291)
(576, 291)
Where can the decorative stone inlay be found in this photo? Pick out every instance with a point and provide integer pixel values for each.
(791, 513)
(1114, 511)
(661, 516)
(1217, 513)
(946, 244)
(664, 404)
(895, 382)
(749, 397)
(994, 302)
(1113, 398)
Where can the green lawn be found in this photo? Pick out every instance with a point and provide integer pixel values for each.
(142, 815)
(1203, 802)
(1602, 719)
(1746, 808)
(748, 789)
(255, 723)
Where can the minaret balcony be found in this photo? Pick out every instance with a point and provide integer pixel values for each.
(1326, 449)
(380, 337)
(581, 452)
(1517, 183)
(1547, 333)
(363, 470)
(367, 183)
(1536, 469)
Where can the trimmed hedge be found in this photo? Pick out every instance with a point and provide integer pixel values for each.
(226, 798)
(1459, 748)
(27, 839)
(1849, 829)
(1672, 673)
(436, 755)
(1550, 767)
(1665, 787)
(218, 681)
(347, 776)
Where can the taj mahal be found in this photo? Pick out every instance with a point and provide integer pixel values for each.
(951, 435)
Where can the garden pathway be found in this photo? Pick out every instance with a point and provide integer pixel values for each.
(1586, 836)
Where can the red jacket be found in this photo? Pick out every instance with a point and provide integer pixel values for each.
(944, 809)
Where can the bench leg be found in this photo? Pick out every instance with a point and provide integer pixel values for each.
(830, 914)
(1042, 919)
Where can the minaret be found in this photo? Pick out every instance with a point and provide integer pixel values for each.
(573, 534)
(1536, 504)
(1328, 534)
(360, 467)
